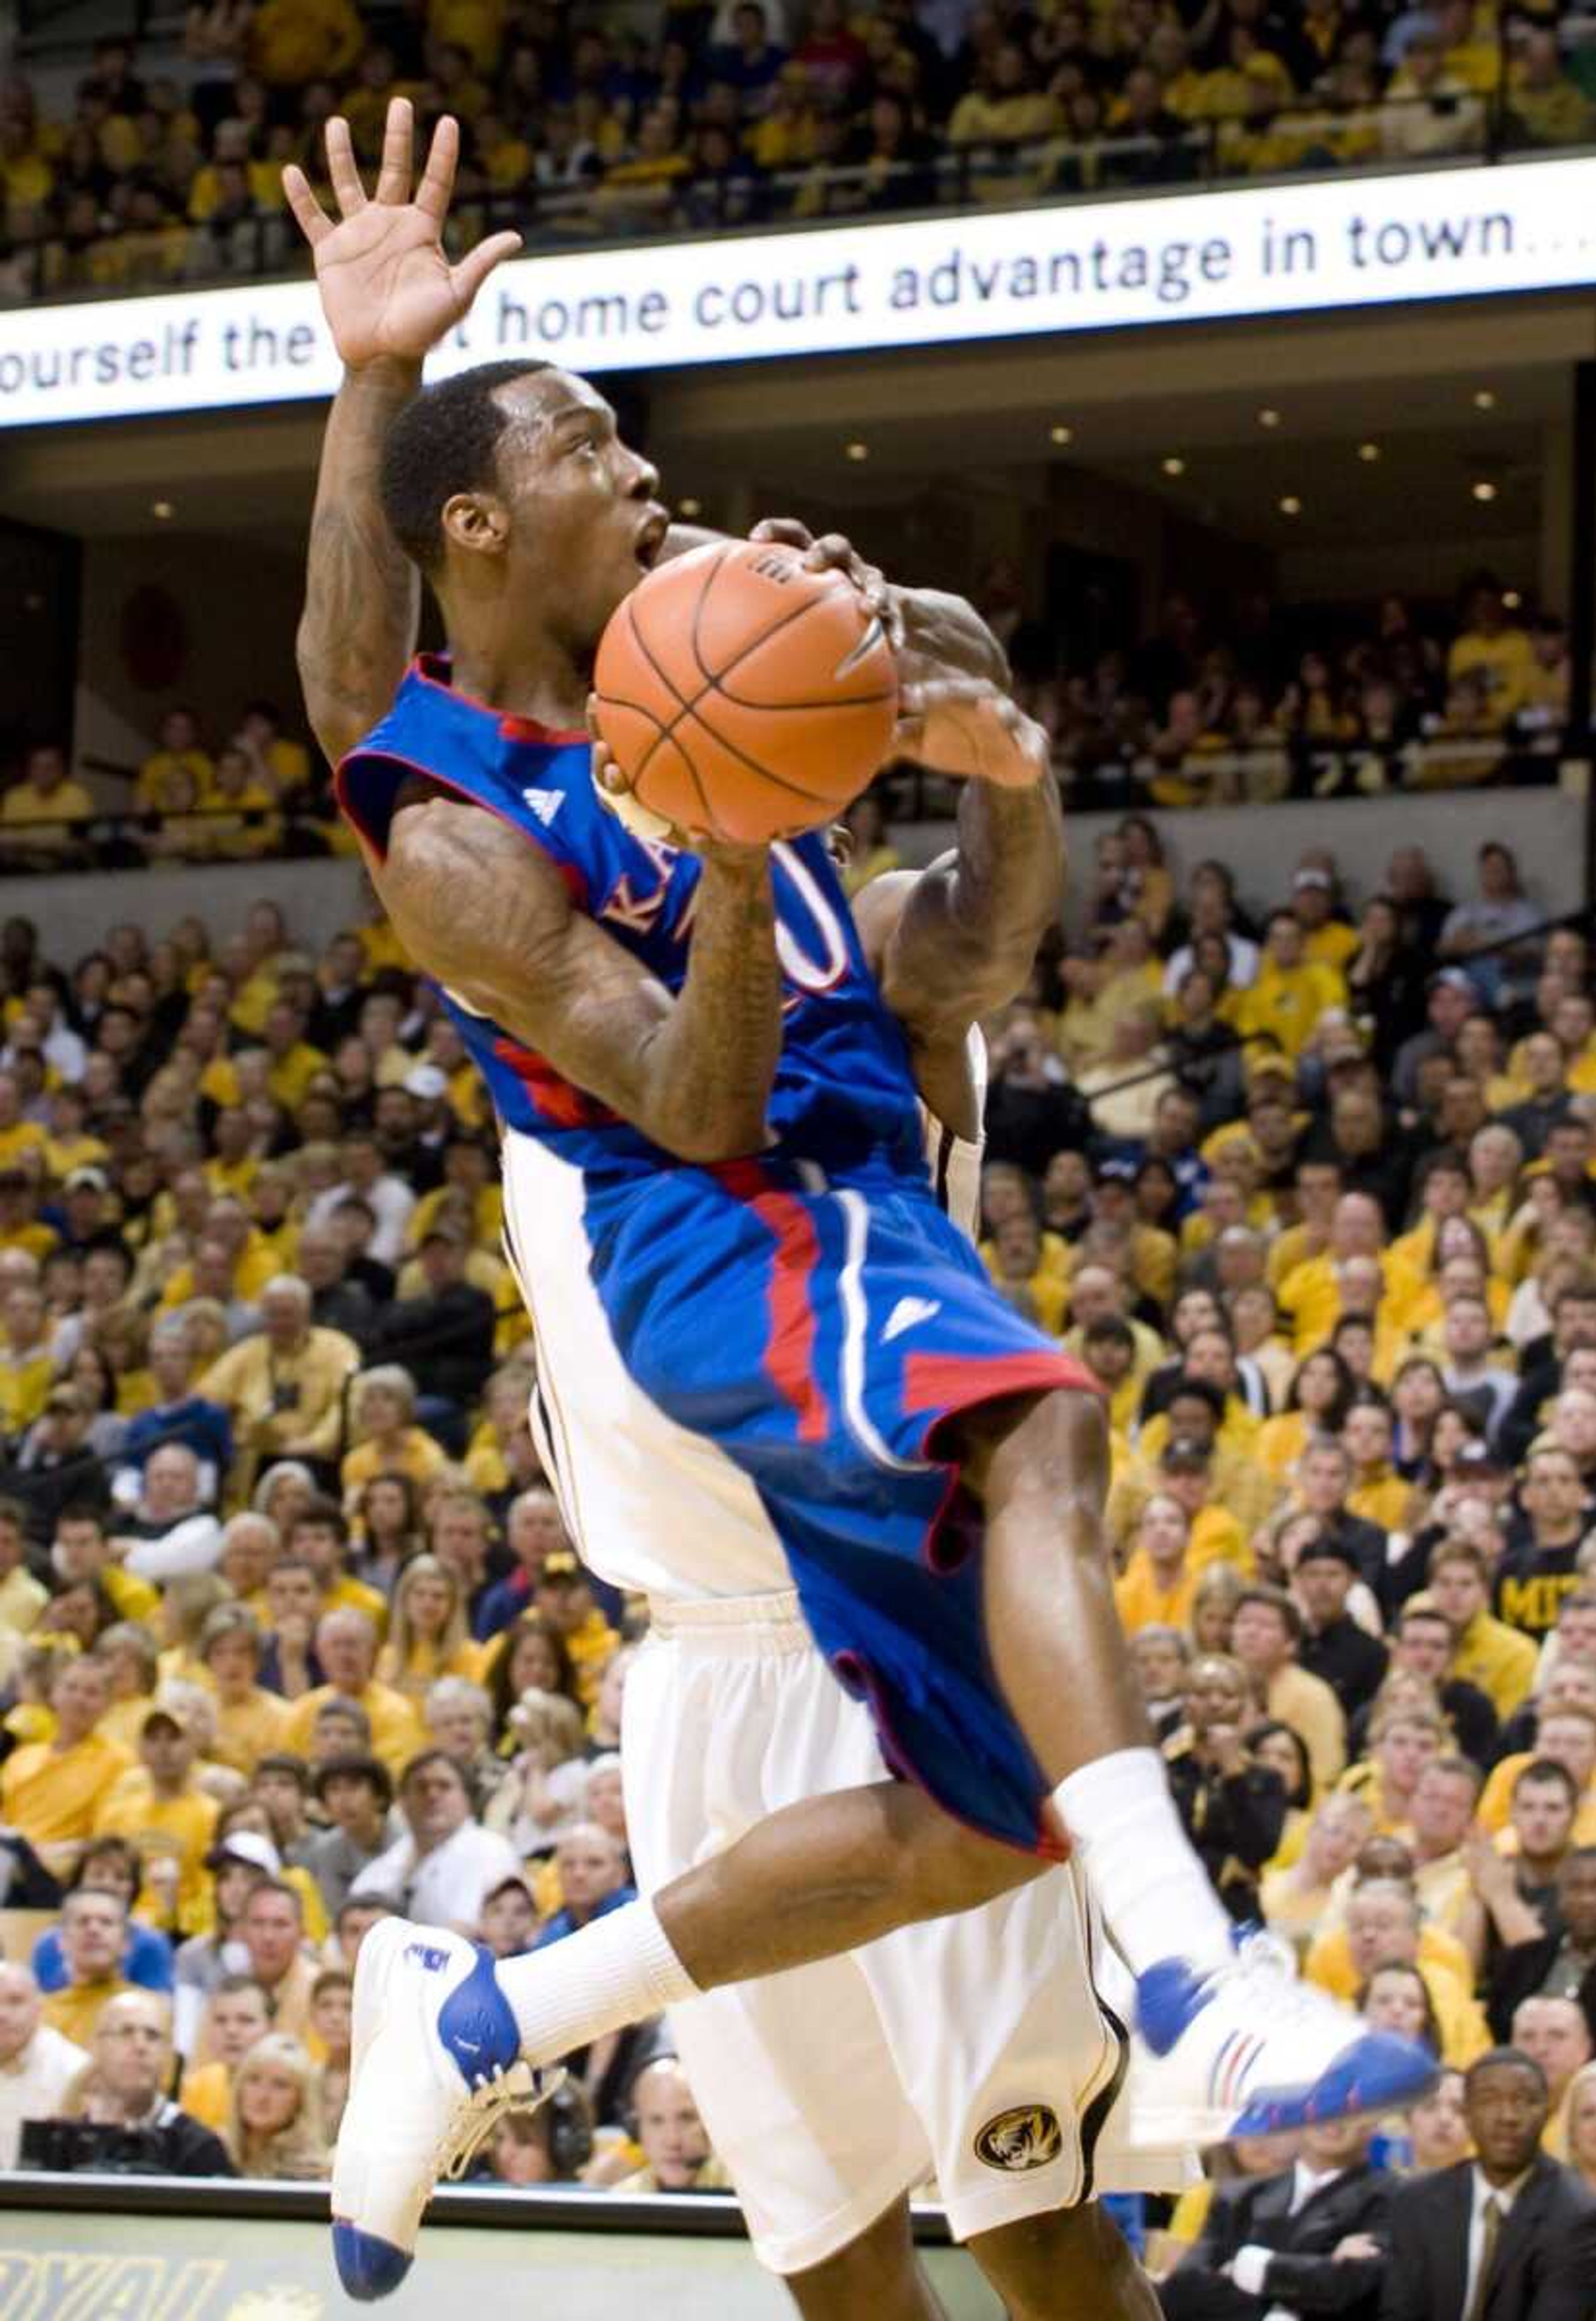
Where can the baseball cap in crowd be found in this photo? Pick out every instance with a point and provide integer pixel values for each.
(427, 1083)
(560, 1565)
(444, 1229)
(1454, 978)
(87, 1180)
(246, 1845)
(1479, 1459)
(1328, 1548)
(1312, 878)
(163, 1711)
(1180, 1451)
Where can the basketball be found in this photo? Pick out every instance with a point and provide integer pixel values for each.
(743, 695)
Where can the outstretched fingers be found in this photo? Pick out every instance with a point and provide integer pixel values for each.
(309, 215)
(478, 264)
(393, 178)
(341, 168)
(437, 180)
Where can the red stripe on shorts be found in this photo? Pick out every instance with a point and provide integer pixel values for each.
(791, 1329)
(943, 1383)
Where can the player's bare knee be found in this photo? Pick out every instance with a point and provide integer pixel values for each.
(877, 2274)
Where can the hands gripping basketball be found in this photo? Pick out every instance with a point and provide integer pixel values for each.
(387, 289)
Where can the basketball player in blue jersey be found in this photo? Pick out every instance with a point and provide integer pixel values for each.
(748, 1305)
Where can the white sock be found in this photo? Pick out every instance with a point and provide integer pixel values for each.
(619, 1969)
(1150, 1885)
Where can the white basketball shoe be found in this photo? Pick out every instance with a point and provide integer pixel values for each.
(1244, 2049)
(434, 2065)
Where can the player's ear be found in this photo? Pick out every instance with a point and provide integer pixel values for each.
(476, 522)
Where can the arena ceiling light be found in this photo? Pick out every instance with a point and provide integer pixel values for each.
(1484, 398)
(1060, 435)
(689, 507)
(1368, 453)
(1511, 599)
(1174, 465)
(1483, 490)
(856, 451)
(1269, 416)
(162, 511)
(1290, 504)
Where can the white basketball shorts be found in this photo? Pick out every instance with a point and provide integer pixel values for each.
(983, 2050)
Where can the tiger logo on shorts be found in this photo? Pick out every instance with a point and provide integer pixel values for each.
(1017, 2141)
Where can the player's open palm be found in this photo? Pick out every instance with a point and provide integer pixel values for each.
(388, 287)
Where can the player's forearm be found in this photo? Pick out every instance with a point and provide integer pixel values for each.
(362, 595)
(1009, 881)
(709, 1065)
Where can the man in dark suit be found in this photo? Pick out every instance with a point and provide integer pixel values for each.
(1507, 2237)
(1272, 2242)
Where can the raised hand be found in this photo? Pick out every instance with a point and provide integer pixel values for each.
(968, 727)
(388, 288)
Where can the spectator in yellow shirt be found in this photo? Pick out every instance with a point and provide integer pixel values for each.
(1264, 1637)
(1500, 1659)
(249, 1720)
(1290, 991)
(27, 1363)
(22, 1140)
(565, 1601)
(293, 41)
(158, 1804)
(383, 1409)
(1326, 941)
(52, 1790)
(1385, 1927)
(346, 1646)
(1493, 649)
(284, 1389)
(181, 751)
(1158, 1584)
(429, 1637)
(261, 729)
(41, 813)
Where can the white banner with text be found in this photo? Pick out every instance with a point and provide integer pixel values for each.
(1335, 243)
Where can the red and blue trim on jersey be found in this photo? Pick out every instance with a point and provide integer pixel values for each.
(811, 1311)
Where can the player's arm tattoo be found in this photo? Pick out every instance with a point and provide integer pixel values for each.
(362, 595)
(489, 916)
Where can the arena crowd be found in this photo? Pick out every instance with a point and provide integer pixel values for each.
(292, 1636)
(164, 163)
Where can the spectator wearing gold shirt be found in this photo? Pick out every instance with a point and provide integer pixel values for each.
(282, 1389)
(52, 1790)
(94, 1934)
(346, 1647)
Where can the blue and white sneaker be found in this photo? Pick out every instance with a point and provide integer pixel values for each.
(1244, 2049)
(434, 2065)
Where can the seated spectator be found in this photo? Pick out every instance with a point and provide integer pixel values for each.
(564, 1601)
(1552, 2031)
(1265, 1638)
(551, 2146)
(676, 2152)
(38, 2064)
(1559, 1962)
(1486, 1651)
(176, 1415)
(1510, 2232)
(1398, 1998)
(594, 1877)
(444, 1336)
(331, 2021)
(459, 1717)
(110, 1865)
(508, 1924)
(240, 1860)
(389, 1441)
(1385, 1927)
(1294, 1897)
(1440, 1818)
(1582, 2126)
(1335, 1647)
(237, 2013)
(534, 1530)
(427, 1635)
(53, 1790)
(44, 813)
(159, 1803)
(1233, 1807)
(271, 1929)
(283, 1390)
(319, 1531)
(356, 1793)
(1158, 1582)
(346, 1646)
(168, 1530)
(1276, 2242)
(274, 2128)
(545, 1795)
(441, 1870)
(249, 1720)
(94, 1937)
(123, 2091)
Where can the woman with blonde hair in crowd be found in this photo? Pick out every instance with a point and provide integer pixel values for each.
(1294, 1897)
(546, 1792)
(1213, 1607)
(382, 1406)
(274, 2126)
(284, 1490)
(1579, 2113)
(427, 1632)
(129, 1653)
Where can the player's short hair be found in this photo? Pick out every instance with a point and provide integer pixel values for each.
(444, 441)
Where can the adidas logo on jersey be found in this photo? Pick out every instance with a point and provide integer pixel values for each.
(907, 1313)
(544, 804)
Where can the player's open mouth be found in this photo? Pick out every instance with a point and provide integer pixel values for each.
(651, 540)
